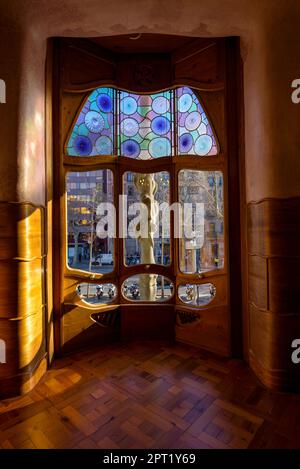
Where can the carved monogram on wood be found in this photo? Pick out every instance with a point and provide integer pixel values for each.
(186, 317)
(143, 74)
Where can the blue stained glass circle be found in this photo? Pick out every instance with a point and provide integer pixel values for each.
(160, 105)
(130, 148)
(128, 105)
(94, 121)
(103, 145)
(83, 146)
(130, 127)
(184, 102)
(160, 125)
(159, 147)
(185, 143)
(193, 120)
(203, 145)
(104, 102)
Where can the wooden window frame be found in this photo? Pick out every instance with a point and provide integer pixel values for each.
(230, 167)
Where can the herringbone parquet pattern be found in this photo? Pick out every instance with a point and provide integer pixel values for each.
(149, 396)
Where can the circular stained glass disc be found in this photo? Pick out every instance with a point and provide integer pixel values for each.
(159, 147)
(130, 127)
(128, 105)
(185, 143)
(160, 105)
(130, 148)
(193, 120)
(103, 145)
(160, 125)
(83, 145)
(104, 102)
(184, 102)
(94, 121)
(203, 145)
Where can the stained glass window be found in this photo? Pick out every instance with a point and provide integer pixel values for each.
(143, 124)
(195, 135)
(93, 132)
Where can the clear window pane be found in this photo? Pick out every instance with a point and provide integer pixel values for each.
(96, 293)
(197, 294)
(147, 239)
(90, 246)
(147, 287)
(201, 245)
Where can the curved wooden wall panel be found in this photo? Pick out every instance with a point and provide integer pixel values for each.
(22, 309)
(8, 289)
(208, 328)
(274, 277)
(31, 330)
(79, 331)
(9, 333)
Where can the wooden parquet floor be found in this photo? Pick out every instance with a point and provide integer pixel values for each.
(150, 396)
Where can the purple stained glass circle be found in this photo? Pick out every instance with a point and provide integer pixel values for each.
(185, 143)
(160, 125)
(193, 120)
(104, 102)
(184, 102)
(130, 127)
(160, 105)
(83, 146)
(130, 148)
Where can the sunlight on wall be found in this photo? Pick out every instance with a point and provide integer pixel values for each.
(31, 144)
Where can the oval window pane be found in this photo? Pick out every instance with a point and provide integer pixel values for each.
(147, 287)
(197, 294)
(96, 294)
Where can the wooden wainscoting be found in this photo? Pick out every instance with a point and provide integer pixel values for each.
(22, 308)
(147, 322)
(274, 299)
(206, 328)
(80, 331)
